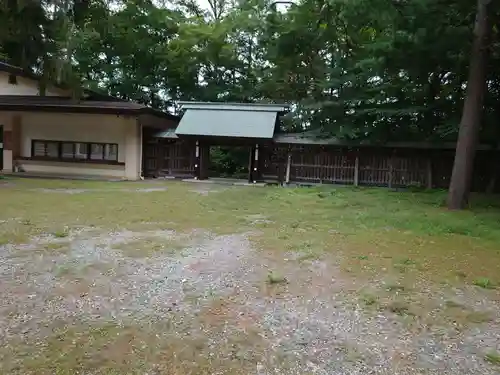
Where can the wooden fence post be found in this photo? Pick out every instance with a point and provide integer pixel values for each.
(391, 170)
(356, 170)
(429, 173)
(288, 167)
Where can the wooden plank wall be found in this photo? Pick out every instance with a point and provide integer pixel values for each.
(168, 158)
(372, 166)
(311, 164)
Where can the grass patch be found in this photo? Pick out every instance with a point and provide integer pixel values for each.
(26, 222)
(75, 272)
(307, 256)
(55, 248)
(422, 236)
(375, 233)
(274, 278)
(64, 270)
(484, 283)
(451, 304)
(129, 349)
(493, 357)
(396, 288)
(407, 262)
(369, 299)
(306, 250)
(400, 308)
(479, 317)
(462, 316)
(405, 265)
(61, 233)
(148, 247)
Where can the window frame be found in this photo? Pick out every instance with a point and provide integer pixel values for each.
(12, 80)
(76, 157)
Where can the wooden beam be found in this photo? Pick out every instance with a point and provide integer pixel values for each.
(391, 171)
(204, 160)
(250, 164)
(288, 167)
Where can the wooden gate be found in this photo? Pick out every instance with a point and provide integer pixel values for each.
(168, 158)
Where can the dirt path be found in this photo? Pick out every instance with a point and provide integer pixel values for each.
(139, 302)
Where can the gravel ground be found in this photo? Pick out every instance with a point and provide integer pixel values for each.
(202, 189)
(206, 189)
(217, 288)
(81, 191)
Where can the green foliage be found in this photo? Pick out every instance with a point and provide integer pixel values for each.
(484, 283)
(275, 278)
(379, 69)
(229, 161)
(493, 357)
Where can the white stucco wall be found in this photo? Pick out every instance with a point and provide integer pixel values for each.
(26, 86)
(121, 130)
(56, 169)
(5, 121)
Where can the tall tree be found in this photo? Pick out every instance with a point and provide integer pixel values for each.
(470, 123)
(384, 70)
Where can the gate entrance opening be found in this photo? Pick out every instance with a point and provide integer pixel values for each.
(229, 162)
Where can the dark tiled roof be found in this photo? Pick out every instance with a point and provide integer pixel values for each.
(18, 71)
(316, 138)
(59, 104)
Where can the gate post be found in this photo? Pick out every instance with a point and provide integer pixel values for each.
(197, 168)
(253, 164)
(203, 161)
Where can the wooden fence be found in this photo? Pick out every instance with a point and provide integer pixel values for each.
(376, 166)
(372, 166)
(162, 158)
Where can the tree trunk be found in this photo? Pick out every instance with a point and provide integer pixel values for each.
(470, 122)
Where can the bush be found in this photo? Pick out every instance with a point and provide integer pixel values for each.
(228, 161)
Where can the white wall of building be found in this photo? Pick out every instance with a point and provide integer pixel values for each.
(73, 127)
(6, 122)
(102, 128)
(26, 86)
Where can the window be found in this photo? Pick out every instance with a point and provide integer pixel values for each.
(52, 149)
(67, 150)
(97, 151)
(12, 79)
(81, 151)
(76, 151)
(104, 151)
(111, 152)
(38, 148)
(48, 149)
